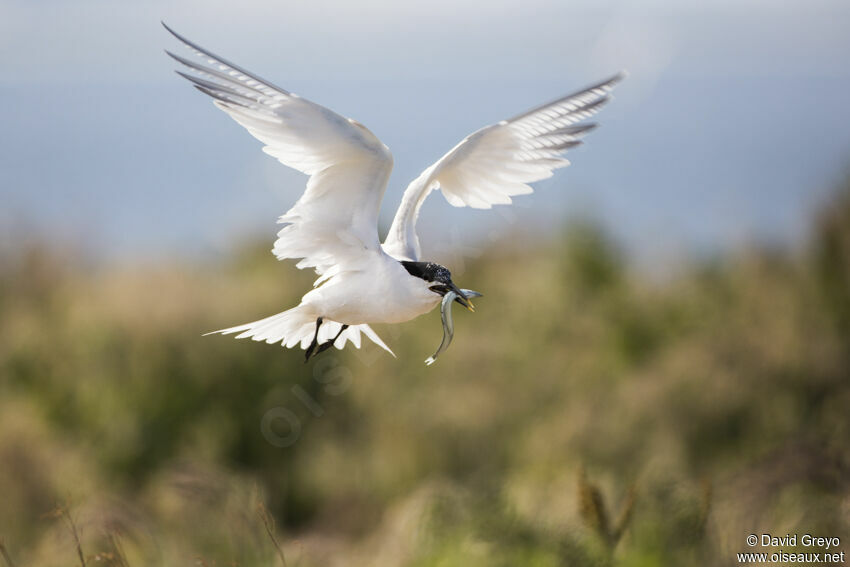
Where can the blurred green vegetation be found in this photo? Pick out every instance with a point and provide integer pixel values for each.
(585, 414)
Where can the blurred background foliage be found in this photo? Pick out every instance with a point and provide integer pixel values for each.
(586, 414)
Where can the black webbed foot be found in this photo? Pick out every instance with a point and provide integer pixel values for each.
(325, 345)
(314, 342)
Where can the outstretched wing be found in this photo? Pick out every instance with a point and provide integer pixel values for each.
(335, 220)
(499, 161)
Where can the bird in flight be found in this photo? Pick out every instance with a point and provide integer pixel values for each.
(333, 227)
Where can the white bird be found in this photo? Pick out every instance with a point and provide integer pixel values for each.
(333, 227)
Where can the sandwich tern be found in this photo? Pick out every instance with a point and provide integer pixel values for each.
(333, 229)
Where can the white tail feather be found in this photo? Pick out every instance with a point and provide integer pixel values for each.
(297, 327)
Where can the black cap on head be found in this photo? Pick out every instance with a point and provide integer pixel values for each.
(428, 271)
(440, 276)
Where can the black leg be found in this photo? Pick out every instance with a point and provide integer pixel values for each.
(328, 344)
(315, 341)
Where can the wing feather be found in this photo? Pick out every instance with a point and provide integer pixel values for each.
(335, 220)
(499, 161)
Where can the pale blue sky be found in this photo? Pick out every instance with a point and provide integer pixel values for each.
(732, 126)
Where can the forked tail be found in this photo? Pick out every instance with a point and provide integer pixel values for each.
(297, 327)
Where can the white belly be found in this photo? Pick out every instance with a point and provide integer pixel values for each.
(382, 292)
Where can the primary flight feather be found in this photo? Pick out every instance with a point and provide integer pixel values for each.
(333, 227)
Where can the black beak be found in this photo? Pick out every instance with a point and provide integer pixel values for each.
(462, 298)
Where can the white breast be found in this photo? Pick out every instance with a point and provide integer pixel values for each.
(380, 292)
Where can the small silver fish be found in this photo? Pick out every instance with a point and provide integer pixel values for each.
(448, 324)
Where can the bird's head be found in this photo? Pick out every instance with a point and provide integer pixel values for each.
(439, 280)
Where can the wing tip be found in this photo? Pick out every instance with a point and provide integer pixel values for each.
(618, 77)
(169, 30)
(607, 84)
